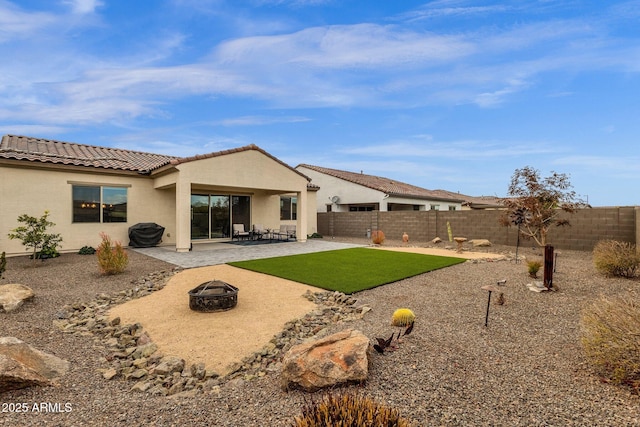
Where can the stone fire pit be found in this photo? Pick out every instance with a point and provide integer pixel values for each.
(215, 295)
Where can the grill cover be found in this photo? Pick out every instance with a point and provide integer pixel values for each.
(145, 235)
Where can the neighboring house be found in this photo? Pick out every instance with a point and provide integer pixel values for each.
(342, 191)
(90, 189)
(475, 202)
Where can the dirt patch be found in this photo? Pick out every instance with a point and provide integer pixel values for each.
(218, 339)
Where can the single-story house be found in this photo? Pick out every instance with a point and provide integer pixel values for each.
(91, 189)
(475, 202)
(343, 191)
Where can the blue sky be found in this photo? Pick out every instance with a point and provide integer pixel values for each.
(445, 94)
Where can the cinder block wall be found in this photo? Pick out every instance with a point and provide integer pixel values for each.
(588, 226)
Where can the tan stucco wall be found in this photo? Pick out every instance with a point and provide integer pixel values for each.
(243, 172)
(32, 191)
(152, 199)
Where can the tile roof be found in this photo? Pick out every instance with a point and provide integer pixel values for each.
(68, 153)
(385, 185)
(476, 201)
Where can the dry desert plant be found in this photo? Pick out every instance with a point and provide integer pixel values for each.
(614, 258)
(611, 339)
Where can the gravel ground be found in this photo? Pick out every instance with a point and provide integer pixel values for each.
(525, 369)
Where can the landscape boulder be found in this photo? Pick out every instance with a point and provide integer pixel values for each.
(168, 365)
(336, 359)
(22, 365)
(480, 243)
(13, 295)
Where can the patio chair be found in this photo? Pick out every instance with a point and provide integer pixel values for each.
(258, 231)
(291, 232)
(239, 233)
(281, 234)
(286, 232)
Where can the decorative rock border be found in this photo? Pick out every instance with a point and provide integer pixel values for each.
(132, 355)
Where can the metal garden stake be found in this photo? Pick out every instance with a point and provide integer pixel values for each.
(490, 288)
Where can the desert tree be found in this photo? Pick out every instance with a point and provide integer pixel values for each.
(536, 203)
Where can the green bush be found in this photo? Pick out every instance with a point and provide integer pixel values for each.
(348, 410)
(3, 264)
(33, 234)
(533, 267)
(86, 250)
(47, 252)
(610, 331)
(112, 258)
(614, 258)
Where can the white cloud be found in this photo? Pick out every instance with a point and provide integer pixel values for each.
(449, 9)
(427, 148)
(31, 130)
(260, 120)
(83, 7)
(18, 23)
(361, 65)
(359, 46)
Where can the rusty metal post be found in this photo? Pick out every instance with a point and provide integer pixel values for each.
(548, 266)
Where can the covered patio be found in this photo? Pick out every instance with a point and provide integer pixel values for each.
(244, 186)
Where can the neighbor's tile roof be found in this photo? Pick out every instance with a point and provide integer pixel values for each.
(67, 153)
(385, 185)
(476, 201)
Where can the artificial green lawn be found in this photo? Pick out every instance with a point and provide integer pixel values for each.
(348, 270)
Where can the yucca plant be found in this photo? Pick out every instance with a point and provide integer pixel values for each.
(346, 409)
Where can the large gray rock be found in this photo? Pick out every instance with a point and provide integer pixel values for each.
(13, 295)
(337, 359)
(169, 365)
(22, 366)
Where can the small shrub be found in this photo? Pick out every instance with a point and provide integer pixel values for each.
(33, 234)
(377, 237)
(614, 258)
(315, 236)
(3, 264)
(533, 267)
(112, 258)
(86, 250)
(610, 331)
(47, 252)
(348, 410)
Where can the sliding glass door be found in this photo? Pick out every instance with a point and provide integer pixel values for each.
(213, 214)
(199, 216)
(220, 215)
